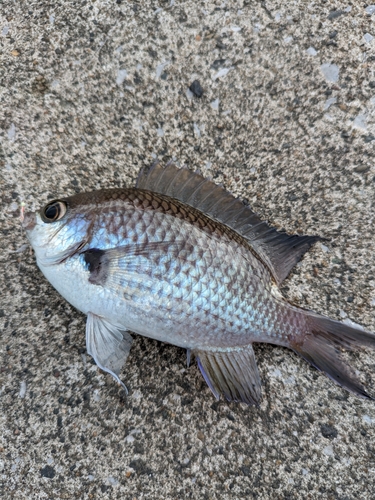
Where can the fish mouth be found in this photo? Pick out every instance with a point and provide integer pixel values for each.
(29, 221)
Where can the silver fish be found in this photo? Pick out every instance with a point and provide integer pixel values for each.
(180, 260)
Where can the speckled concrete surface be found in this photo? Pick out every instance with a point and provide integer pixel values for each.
(90, 92)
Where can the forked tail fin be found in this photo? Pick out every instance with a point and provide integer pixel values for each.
(321, 345)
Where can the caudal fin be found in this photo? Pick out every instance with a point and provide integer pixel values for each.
(321, 345)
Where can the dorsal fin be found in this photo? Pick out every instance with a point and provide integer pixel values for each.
(279, 250)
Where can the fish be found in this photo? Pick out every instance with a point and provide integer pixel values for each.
(179, 259)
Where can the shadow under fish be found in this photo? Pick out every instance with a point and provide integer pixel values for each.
(179, 259)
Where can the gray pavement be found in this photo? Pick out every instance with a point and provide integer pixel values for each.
(89, 92)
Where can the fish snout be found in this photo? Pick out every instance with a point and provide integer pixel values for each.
(29, 221)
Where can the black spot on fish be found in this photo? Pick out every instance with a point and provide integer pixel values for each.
(97, 265)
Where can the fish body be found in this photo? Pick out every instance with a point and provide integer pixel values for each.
(183, 281)
(180, 260)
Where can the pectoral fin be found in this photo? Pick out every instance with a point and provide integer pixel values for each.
(232, 373)
(108, 344)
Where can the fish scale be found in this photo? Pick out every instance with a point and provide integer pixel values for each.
(180, 260)
(176, 273)
(156, 228)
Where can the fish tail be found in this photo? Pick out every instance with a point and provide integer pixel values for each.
(321, 345)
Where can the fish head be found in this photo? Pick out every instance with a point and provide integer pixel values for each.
(57, 231)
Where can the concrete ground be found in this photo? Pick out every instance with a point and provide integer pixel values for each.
(89, 92)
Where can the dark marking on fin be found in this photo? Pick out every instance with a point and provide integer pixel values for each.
(97, 265)
(233, 373)
(278, 250)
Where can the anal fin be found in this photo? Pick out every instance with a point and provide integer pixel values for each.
(233, 373)
(108, 344)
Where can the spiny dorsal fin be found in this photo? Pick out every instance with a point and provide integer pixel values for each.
(232, 373)
(279, 250)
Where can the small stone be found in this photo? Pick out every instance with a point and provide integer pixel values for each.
(328, 450)
(334, 14)
(360, 122)
(218, 63)
(22, 389)
(370, 9)
(200, 436)
(330, 72)
(367, 37)
(329, 102)
(15, 53)
(196, 88)
(328, 431)
(121, 75)
(215, 104)
(48, 472)
(12, 132)
(360, 170)
(311, 51)
(112, 480)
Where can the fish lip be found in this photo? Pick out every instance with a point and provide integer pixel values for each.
(29, 221)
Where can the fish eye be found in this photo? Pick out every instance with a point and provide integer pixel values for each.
(53, 211)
